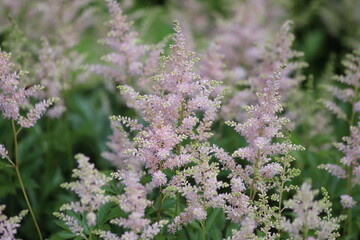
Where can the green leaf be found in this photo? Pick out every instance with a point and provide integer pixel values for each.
(66, 235)
(212, 218)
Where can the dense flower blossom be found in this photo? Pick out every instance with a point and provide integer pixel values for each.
(347, 201)
(349, 93)
(89, 188)
(350, 148)
(3, 152)
(272, 55)
(201, 195)
(264, 125)
(179, 94)
(268, 155)
(14, 95)
(172, 116)
(132, 62)
(55, 71)
(118, 143)
(134, 202)
(60, 20)
(249, 27)
(8, 226)
(308, 215)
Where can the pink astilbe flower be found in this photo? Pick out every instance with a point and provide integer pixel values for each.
(201, 195)
(178, 115)
(272, 55)
(347, 201)
(14, 95)
(130, 60)
(308, 215)
(350, 148)
(349, 93)
(89, 188)
(134, 202)
(8, 226)
(118, 143)
(171, 111)
(250, 26)
(262, 127)
(275, 54)
(62, 20)
(268, 154)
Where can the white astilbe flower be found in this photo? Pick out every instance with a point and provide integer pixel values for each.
(89, 188)
(3, 152)
(308, 213)
(247, 231)
(8, 226)
(347, 201)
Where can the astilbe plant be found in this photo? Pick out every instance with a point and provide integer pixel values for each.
(89, 188)
(131, 61)
(308, 223)
(14, 100)
(8, 226)
(272, 55)
(349, 165)
(269, 169)
(52, 62)
(58, 71)
(178, 115)
(84, 218)
(15, 94)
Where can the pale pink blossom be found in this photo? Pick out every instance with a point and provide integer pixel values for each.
(347, 201)
(8, 226)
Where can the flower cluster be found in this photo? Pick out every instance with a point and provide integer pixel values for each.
(14, 95)
(272, 55)
(8, 226)
(132, 62)
(268, 154)
(350, 93)
(133, 202)
(349, 167)
(89, 189)
(175, 136)
(308, 216)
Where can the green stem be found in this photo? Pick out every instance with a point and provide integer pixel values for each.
(203, 230)
(177, 204)
(252, 187)
(349, 190)
(90, 234)
(16, 167)
(158, 212)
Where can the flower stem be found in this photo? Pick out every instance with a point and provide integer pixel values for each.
(177, 204)
(161, 199)
(203, 230)
(16, 167)
(349, 190)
